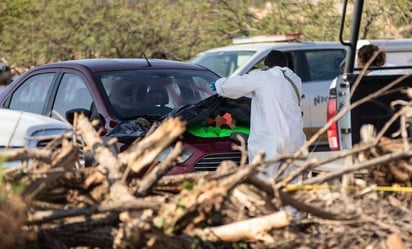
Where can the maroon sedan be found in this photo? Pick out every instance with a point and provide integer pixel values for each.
(119, 91)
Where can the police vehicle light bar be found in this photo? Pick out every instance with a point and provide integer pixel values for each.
(266, 38)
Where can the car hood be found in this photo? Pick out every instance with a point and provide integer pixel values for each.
(215, 116)
(16, 126)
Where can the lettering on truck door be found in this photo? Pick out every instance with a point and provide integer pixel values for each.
(322, 67)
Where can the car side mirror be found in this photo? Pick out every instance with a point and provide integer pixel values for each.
(70, 114)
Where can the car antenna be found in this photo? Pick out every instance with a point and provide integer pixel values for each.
(138, 43)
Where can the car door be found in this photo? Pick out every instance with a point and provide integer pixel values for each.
(72, 93)
(32, 94)
(322, 66)
(317, 67)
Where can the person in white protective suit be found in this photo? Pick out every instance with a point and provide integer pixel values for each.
(276, 124)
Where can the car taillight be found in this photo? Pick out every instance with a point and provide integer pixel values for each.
(333, 136)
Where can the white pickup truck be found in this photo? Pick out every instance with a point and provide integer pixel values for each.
(317, 63)
(392, 78)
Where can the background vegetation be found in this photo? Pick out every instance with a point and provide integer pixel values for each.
(39, 31)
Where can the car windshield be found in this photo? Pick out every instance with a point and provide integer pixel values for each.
(140, 93)
(223, 63)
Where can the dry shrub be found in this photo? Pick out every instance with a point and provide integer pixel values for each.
(12, 219)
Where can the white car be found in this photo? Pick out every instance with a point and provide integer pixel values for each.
(20, 129)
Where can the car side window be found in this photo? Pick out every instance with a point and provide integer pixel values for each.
(261, 64)
(31, 95)
(258, 66)
(224, 63)
(71, 94)
(324, 64)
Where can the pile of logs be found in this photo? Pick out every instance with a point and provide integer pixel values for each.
(127, 201)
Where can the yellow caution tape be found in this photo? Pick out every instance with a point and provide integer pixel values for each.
(350, 187)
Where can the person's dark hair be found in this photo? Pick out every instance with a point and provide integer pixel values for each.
(276, 58)
(159, 55)
(366, 52)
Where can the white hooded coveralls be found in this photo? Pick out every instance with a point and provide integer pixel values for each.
(276, 124)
